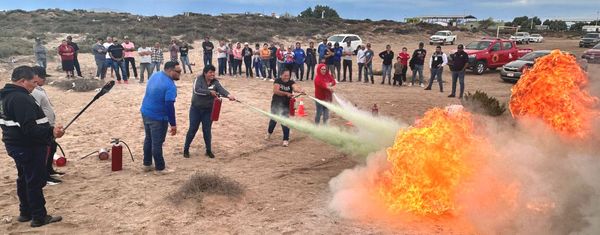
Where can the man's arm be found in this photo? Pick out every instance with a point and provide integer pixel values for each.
(444, 60)
(25, 115)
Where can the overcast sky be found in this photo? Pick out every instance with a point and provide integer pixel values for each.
(351, 9)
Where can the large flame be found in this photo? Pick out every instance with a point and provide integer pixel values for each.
(553, 91)
(429, 162)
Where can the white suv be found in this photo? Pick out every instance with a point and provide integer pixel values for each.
(442, 37)
(520, 37)
(342, 39)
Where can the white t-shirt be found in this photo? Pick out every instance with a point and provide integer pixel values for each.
(348, 50)
(43, 101)
(145, 58)
(222, 54)
(360, 55)
(106, 45)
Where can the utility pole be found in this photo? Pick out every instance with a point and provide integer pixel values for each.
(597, 17)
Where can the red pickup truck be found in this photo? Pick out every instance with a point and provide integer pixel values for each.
(492, 53)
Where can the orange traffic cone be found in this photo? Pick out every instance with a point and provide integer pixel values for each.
(301, 112)
(349, 124)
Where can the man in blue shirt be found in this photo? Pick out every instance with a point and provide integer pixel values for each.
(299, 58)
(337, 59)
(322, 49)
(158, 111)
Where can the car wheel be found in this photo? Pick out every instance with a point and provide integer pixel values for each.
(480, 67)
(493, 69)
(430, 43)
(452, 42)
(505, 80)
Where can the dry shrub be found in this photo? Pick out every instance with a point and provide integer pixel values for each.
(80, 84)
(480, 102)
(202, 184)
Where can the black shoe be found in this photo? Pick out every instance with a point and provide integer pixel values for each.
(56, 173)
(53, 181)
(210, 155)
(47, 220)
(451, 96)
(24, 218)
(186, 154)
(428, 88)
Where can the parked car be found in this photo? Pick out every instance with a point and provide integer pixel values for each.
(592, 55)
(520, 37)
(536, 38)
(589, 40)
(512, 71)
(354, 40)
(442, 37)
(492, 53)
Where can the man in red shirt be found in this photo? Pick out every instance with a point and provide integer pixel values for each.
(404, 57)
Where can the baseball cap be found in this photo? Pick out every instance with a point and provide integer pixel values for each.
(126, 37)
(40, 72)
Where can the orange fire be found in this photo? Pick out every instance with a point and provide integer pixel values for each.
(553, 90)
(429, 162)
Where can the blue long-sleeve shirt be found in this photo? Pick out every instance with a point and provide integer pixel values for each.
(299, 56)
(322, 50)
(337, 56)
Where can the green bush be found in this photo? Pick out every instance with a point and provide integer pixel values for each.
(480, 102)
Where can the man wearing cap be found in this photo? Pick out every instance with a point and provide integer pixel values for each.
(418, 59)
(129, 49)
(42, 99)
(208, 47)
(459, 61)
(27, 134)
(40, 52)
(76, 51)
(99, 52)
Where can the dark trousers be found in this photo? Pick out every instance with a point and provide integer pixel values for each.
(156, 132)
(273, 64)
(347, 65)
(108, 63)
(248, 65)
(460, 77)
(207, 59)
(199, 116)
(397, 78)
(310, 71)
(77, 67)
(99, 68)
(404, 69)
(286, 130)
(360, 70)
(231, 64)
(119, 65)
(338, 67)
(130, 60)
(222, 66)
(50, 159)
(32, 175)
(237, 67)
(436, 73)
(289, 67)
(299, 70)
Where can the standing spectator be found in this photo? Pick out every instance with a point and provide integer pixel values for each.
(230, 58)
(283, 91)
(158, 112)
(237, 60)
(75, 52)
(273, 61)
(347, 61)
(116, 52)
(185, 60)
(459, 63)
(129, 57)
(156, 57)
(107, 60)
(360, 58)
(257, 63)
(299, 58)
(404, 57)
(322, 50)
(265, 57)
(311, 61)
(222, 58)
(42, 99)
(337, 59)
(386, 67)
(66, 53)
(40, 52)
(208, 47)
(288, 59)
(146, 66)
(418, 60)
(324, 83)
(99, 52)
(280, 59)
(436, 64)
(247, 55)
(369, 63)
(206, 89)
(173, 50)
(398, 67)
(27, 134)
(330, 59)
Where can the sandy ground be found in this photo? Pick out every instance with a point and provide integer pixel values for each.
(286, 188)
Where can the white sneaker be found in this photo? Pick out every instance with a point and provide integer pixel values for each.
(268, 136)
(422, 85)
(286, 143)
(410, 84)
(147, 168)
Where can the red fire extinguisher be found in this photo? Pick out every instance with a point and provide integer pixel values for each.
(117, 154)
(375, 110)
(292, 107)
(216, 109)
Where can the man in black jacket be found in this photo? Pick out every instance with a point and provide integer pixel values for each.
(27, 135)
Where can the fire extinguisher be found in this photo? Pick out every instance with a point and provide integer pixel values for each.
(216, 109)
(117, 154)
(375, 110)
(58, 159)
(292, 107)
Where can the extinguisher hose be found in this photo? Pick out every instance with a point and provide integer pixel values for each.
(89, 154)
(61, 149)
(131, 154)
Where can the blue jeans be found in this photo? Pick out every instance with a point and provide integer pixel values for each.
(299, 70)
(108, 63)
(156, 131)
(120, 66)
(369, 72)
(41, 62)
(258, 69)
(186, 61)
(156, 65)
(222, 66)
(207, 59)
(31, 178)
(321, 110)
(418, 69)
(99, 67)
(386, 70)
(199, 116)
(436, 73)
(460, 76)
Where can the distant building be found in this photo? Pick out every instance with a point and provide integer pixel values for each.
(444, 19)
